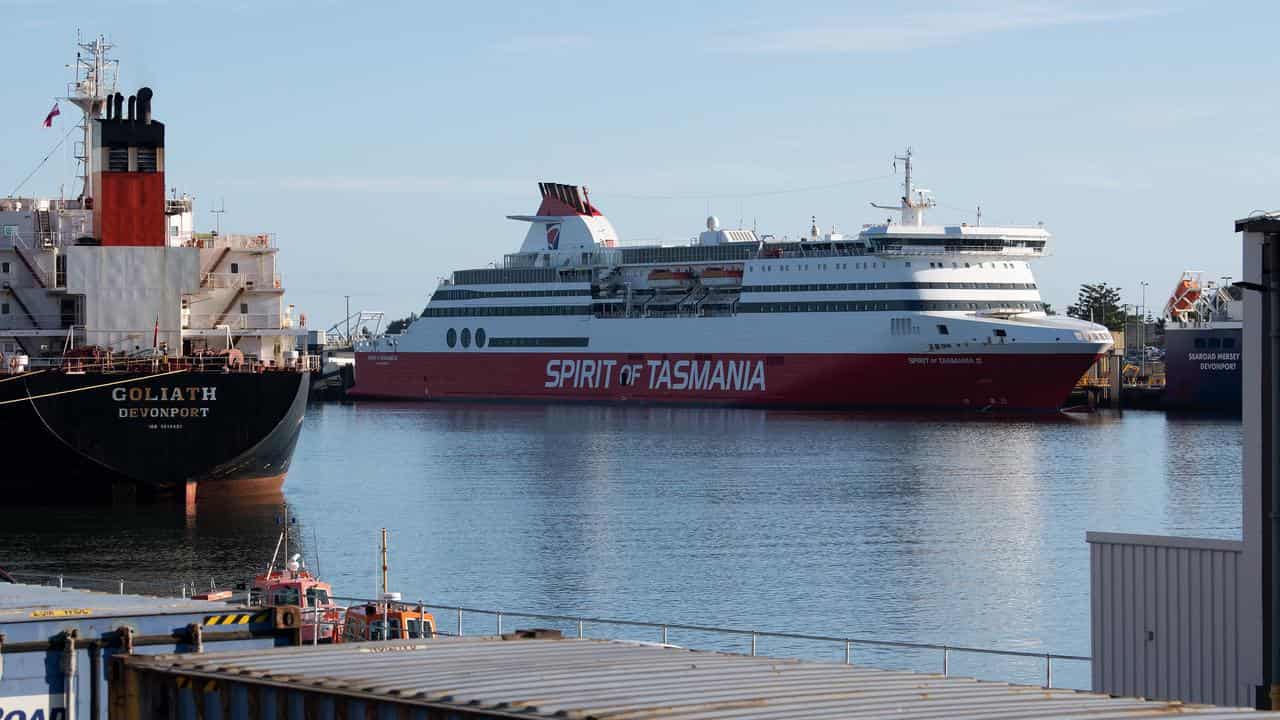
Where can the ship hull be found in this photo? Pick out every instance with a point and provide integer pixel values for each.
(87, 436)
(1025, 382)
(1203, 369)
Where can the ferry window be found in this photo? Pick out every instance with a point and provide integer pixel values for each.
(4, 308)
(907, 264)
(4, 267)
(451, 337)
(235, 268)
(1228, 343)
(942, 330)
(999, 332)
(394, 624)
(244, 308)
(480, 337)
(317, 596)
(285, 596)
(1200, 343)
(466, 337)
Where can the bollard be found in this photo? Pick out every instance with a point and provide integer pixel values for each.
(459, 622)
(946, 664)
(499, 614)
(579, 628)
(664, 634)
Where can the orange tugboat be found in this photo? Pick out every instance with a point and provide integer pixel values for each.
(388, 618)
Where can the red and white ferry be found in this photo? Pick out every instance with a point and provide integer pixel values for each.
(903, 314)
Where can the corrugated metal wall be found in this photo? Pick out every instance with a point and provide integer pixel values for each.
(1166, 618)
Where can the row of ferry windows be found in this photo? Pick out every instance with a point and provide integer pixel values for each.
(478, 294)
(890, 286)
(508, 311)
(453, 337)
(909, 305)
(882, 305)
(874, 266)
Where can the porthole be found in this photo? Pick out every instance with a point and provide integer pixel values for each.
(451, 337)
(466, 337)
(480, 338)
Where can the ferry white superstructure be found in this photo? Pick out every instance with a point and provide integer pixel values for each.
(903, 314)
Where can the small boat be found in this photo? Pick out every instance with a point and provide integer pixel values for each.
(294, 585)
(669, 279)
(388, 618)
(722, 277)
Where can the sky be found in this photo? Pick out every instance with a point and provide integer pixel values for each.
(384, 143)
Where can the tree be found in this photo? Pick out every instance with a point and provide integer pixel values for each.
(396, 327)
(1099, 303)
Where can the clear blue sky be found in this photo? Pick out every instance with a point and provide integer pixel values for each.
(384, 143)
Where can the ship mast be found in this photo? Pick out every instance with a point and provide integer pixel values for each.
(93, 86)
(914, 200)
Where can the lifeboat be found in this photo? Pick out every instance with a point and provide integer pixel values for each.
(721, 277)
(1184, 297)
(668, 279)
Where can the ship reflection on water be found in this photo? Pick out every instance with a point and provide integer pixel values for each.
(934, 528)
(154, 548)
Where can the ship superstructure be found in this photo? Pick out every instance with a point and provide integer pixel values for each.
(901, 314)
(133, 348)
(1203, 332)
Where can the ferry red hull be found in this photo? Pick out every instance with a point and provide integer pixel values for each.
(977, 381)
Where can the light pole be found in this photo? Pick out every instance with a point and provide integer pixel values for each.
(348, 297)
(1142, 334)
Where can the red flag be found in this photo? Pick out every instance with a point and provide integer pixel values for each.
(55, 112)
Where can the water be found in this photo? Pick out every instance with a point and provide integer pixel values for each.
(960, 530)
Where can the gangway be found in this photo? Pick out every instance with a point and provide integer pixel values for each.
(344, 332)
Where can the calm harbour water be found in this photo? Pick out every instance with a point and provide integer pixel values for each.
(947, 529)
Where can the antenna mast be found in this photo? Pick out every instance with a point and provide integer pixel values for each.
(912, 207)
(94, 84)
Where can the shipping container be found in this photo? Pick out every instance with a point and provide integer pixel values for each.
(485, 678)
(55, 643)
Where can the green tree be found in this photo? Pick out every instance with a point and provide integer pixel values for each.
(1099, 303)
(398, 326)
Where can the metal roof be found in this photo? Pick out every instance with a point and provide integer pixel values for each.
(34, 603)
(579, 678)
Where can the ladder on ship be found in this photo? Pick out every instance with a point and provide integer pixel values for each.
(225, 311)
(31, 267)
(44, 228)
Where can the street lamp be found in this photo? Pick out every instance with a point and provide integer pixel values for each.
(1142, 334)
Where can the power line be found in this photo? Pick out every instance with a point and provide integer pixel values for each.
(732, 196)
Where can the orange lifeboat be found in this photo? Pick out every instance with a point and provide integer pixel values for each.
(1184, 297)
(665, 279)
(722, 277)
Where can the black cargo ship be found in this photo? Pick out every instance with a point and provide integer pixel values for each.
(1203, 335)
(87, 435)
(138, 356)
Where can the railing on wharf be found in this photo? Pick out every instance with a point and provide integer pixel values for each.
(749, 639)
